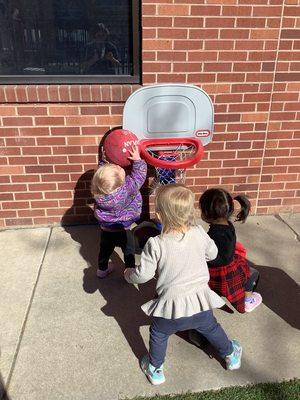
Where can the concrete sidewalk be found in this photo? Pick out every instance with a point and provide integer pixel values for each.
(64, 334)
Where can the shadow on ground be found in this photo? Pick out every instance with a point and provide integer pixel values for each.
(3, 393)
(123, 301)
(280, 293)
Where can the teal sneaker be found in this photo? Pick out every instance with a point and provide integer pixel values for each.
(155, 375)
(233, 361)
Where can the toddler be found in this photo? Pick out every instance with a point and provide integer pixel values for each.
(230, 274)
(118, 203)
(184, 300)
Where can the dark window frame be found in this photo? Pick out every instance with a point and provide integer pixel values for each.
(92, 79)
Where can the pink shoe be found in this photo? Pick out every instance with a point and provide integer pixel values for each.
(103, 273)
(252, 302)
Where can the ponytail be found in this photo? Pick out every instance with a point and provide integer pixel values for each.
(245, 208)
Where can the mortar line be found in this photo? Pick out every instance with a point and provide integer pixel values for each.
(27, 313)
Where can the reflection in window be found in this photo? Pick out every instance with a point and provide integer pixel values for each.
(66, 37)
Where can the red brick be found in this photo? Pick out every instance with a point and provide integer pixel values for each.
(58, 195)
(205, 10)
(165, 78)
(68, 168)
(83, 159)
(18, 222)
(251, 22)
(159, 21)
(7, 111)
(15, 188)
(236, 11)
(159, 67)
(31, 213)
(203, 33)
(264, 34)
(7, 214)
(219, 45)
(11, 170)
(10, 151)
(217, 67)
(39, 169)
(290, 34)
(262, 55)
(49, 121)
(17, 121)
(51, 141)
(37, 150)
(42, 93)
(66, 150)
(28, 196)
(186, 45)
(200, 78)
(42, 187)
(53, 160)
(32, 110)
(25, 178)
(53, 93)
(15, 205)
(10, 94)
(64, 93)
(202, 56)
(231, 77)
(94, 130)
(282, 116)
(66, 131)
(32, 93)
(219, 22)
(44, 204)
(247, 171)
(173, 10)
(23, 160)
(172, 33)
(171, 56)
(63, 110)
(94, 110)
(40, 131)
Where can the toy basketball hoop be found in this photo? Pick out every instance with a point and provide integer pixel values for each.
(172, 122)
(171, 157)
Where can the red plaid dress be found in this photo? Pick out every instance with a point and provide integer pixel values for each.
(229, 280)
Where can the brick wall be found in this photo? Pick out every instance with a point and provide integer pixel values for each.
(244, 54)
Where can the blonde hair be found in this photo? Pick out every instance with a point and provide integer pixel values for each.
(175, 205)
(107, 179)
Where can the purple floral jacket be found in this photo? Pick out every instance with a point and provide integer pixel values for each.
(121, 208)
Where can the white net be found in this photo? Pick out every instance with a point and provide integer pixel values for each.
(164, 176)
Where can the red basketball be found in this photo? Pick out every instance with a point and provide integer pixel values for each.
(117, 144)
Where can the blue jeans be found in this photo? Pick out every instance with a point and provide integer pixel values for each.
(204, 322)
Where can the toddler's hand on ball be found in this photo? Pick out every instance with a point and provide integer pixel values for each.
(134, 153)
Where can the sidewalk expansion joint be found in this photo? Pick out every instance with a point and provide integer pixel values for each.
(297, 236)
(28, 310)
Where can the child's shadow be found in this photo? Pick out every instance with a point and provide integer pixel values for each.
(280, 293)
(123, 300)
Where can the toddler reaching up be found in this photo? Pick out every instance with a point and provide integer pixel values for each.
(118, 203)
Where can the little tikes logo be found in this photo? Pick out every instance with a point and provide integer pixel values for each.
(202, 133)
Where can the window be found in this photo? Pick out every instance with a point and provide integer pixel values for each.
(69, 41)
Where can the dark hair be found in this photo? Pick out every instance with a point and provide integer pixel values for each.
(218, 203)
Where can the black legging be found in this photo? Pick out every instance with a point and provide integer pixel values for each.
(109, 240)
(252, 281)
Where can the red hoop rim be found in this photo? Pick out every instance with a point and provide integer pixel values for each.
(183, 164)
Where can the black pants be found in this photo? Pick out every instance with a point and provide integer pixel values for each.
(252, 281)
(110, 240)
